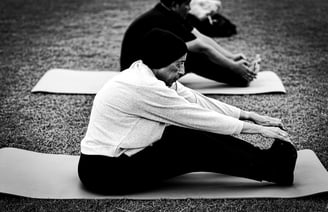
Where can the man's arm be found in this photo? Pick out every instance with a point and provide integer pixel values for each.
(260, 119)
(270, 132)
(214, 44)
(199, 46)
(207, 102)
(213, 104)
(241, 67)
(164, 105)
(177, 110)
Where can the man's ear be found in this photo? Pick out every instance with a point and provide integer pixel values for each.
(174, 5)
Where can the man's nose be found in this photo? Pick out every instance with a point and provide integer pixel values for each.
(181, 70)
(188, 8)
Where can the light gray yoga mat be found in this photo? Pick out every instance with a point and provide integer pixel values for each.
(89, 82)
(39, 175)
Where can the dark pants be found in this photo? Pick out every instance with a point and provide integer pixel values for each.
(201, 65)
(179, 151)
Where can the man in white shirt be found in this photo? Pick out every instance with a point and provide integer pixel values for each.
(145, 127)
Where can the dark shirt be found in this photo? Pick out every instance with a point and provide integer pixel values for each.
(158, 17)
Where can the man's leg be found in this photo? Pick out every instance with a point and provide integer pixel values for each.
(181, 151)
(184, 150)
(202, 66)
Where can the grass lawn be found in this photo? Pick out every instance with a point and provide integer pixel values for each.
(36, 35)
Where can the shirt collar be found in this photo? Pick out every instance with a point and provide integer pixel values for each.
(141, 67)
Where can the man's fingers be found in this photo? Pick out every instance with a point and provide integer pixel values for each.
(283, 135)
(240, 56)
(251, 75)
(245, 62)
(285, 139)
(245, 70)
(278, 123)
(281, 125)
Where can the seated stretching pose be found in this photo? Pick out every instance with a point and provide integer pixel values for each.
(206, 57)
(145, 127)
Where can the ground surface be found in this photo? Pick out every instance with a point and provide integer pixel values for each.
(36, 35)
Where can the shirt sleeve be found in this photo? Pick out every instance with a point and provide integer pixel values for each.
(165, 105)
(207, 102)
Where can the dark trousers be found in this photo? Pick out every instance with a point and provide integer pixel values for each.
(201, 65)
(179, 151)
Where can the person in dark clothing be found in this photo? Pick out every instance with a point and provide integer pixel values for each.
(205, 56)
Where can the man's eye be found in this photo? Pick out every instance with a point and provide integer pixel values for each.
(179, 65)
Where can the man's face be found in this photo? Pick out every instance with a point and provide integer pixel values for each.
(172, 72)
(182, 9)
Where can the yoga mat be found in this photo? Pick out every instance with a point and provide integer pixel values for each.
(265, 82)
(39, 175)
(89, 82)
(73, 81)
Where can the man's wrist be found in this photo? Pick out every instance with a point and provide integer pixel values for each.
(244, 115)
(251, 128)
(251, 116)
(234, 66)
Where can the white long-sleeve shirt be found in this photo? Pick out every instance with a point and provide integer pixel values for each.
(132, 110)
